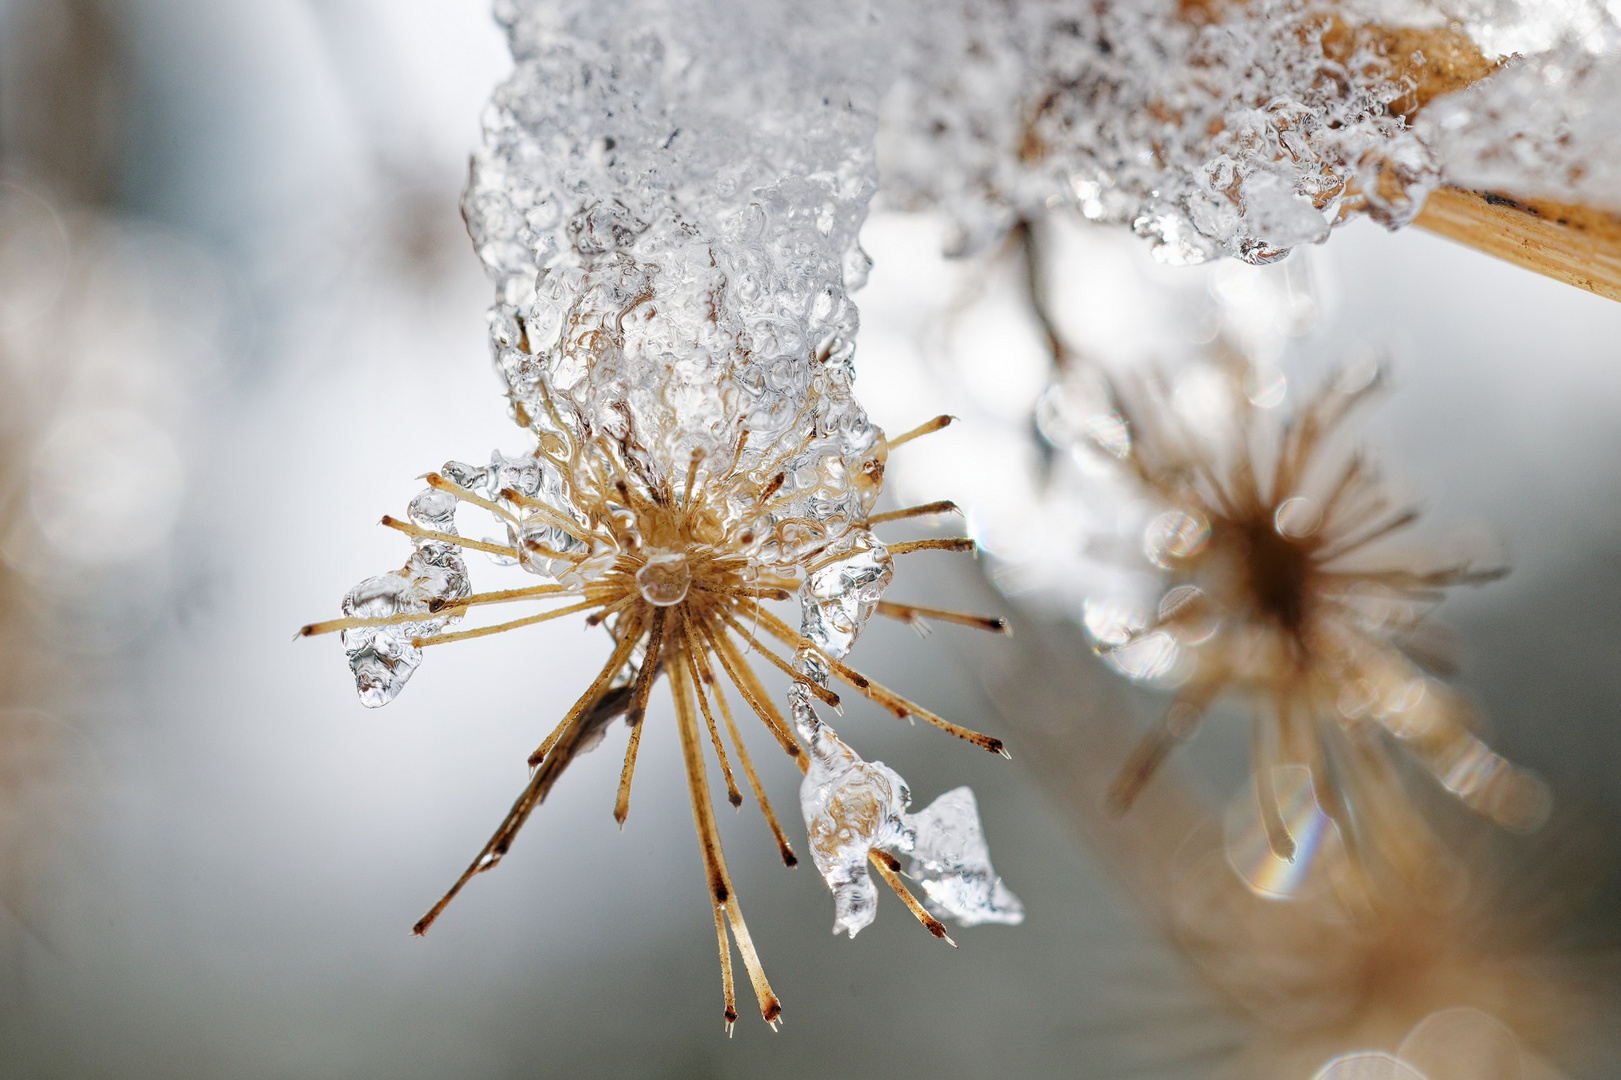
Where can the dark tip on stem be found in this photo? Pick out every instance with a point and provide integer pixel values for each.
(789, 859)
(420, 929)
(735, 798)
(304, 631)
(389, 520)
(771, 1011)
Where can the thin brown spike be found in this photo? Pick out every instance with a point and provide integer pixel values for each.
(610, 670)
(420, 533)
(703, 817)
(638, 712)
(927, 428)
(772, 488)
(1383, 529)
(822, 693)
(951, 543)
(485, 631)
(441, 484)
(454, 608)
(884, 696)
(725, 967)
(578, 733)
(692, 475)
(742, 677)
(909, 613)
(1178, 725)
(1263, 757)
(707, 676)
(889, 869)
(596, 618)
(945, 506)
(750, 591)
(545, 552)
(553, 516)
(733, 796)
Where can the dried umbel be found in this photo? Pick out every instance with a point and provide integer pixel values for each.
(1274, 585)
(679, 564)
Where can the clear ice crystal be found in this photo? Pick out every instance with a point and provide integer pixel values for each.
(838, 597)
(852, 806)
(383, 658)
(953, 863)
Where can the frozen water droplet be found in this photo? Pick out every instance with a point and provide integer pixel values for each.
(434, 509)
(665, 579)
(850, 806)
(952, 861)
(838, 598)
(382, 658)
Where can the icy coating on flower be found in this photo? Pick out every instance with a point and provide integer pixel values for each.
(856, 812)
(1545, 125)
(672, 227)
(1236, 128)
(672, 230)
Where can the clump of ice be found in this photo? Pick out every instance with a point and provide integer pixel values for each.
(383, 658)
(842, 592)
(853, 807)
(1541, 126)
(668, 197)
(1233, 133)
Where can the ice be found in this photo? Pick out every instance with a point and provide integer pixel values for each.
(840, 596)
(1544, 126)
(383, 658)
(1243, 130)
(671, 221)
(953, 863)
(852, 806)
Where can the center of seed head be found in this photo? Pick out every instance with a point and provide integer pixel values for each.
(1278, 569)
(664, 579)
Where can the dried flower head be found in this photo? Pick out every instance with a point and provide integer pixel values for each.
(678, 557)
(1273, 585)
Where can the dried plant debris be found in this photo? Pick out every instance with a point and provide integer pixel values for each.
(673, 328)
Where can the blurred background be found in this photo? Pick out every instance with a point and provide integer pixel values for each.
(239, 314)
